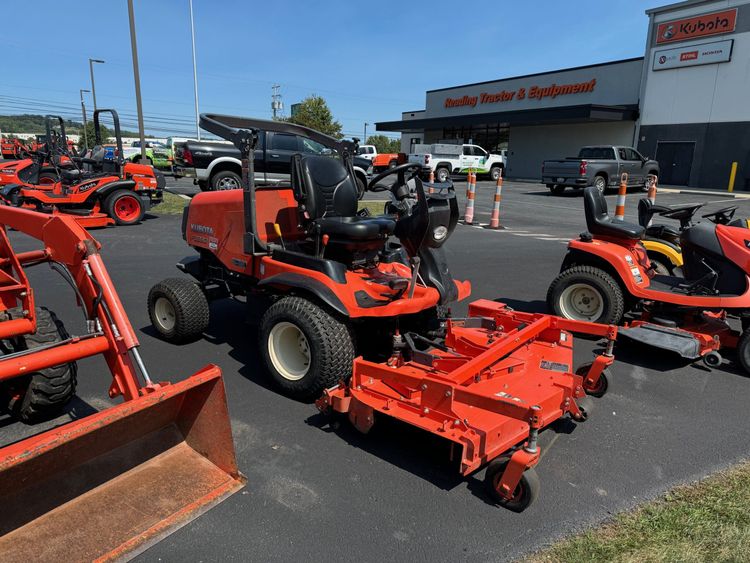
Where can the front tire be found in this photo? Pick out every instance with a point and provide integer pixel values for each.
(586, 293)
(47, 390)
(125, 207)
(743, 350)
(178, 310)
(226, 180)
(305, 348)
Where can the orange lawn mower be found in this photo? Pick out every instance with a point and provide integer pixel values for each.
(97, 190)
(354, 309)
(107, 485)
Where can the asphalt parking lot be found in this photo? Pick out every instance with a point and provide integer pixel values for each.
(319, 492)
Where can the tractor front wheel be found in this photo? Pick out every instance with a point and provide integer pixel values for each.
(526, 491)
(305, 348)
(178, 309)
(586, 293)
(125, 207)
(42, 394)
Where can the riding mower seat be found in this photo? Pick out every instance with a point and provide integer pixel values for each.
(599, 222)
(327, 195)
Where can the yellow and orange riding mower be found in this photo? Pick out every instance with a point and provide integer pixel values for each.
(353, 308)
(107, 485)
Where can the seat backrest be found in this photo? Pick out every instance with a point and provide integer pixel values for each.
(324, 186)
(645, 211)
(595, 207)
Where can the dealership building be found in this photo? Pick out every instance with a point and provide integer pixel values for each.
(686, 103)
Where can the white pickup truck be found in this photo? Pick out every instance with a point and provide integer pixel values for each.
(445, 159)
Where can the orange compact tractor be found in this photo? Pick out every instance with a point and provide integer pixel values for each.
(354, 309)
(108, 485)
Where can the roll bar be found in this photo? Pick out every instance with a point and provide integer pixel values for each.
(243, 133)
(120, 157)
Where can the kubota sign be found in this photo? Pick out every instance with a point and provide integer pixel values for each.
(531, 92)
(697, 26)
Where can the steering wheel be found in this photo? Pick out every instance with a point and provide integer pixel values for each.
(401, 170)
(723, 216)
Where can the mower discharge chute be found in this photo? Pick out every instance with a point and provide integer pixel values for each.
(110, 484)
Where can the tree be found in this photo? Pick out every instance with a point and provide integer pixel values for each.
(106, 132)
(313, 112)
(383, 144)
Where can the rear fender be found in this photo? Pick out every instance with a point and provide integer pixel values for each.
(308, 285)
(110, 187)
(613, 259)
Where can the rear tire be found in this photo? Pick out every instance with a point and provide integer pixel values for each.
(442, 175)
(48, 390)
(226, 180)
(743, 350)
(178, 310)
(392, 164)
(495, 173)
(125, 207)
(586, 293)
(600, 183)
(48, 178)
(305, 348)
(660, 266)
(361, 187)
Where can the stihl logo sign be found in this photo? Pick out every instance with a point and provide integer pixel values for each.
(698, 26)
(689, 56)
(532, 92)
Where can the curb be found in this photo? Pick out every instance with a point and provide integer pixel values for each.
(702, 192)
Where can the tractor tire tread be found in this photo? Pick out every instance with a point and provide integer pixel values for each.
(333, 341)
(190, 304)
(51, 388)
(615, 295)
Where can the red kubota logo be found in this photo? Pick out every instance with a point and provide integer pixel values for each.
(689, 55)
(698, 26)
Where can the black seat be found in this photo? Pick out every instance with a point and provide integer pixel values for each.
(327, 194)
(598, 221)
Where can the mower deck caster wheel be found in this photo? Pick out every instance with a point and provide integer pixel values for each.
(526, 491)
(713, 359)
(598, 390)
(586, 406)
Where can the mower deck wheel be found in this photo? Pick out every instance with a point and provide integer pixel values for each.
(601, 386)
(48, 389)
(713, 359)
(586, 293)
(125, 207)
(305, 348)
(178, 309)
(586, 406)
(526, 491)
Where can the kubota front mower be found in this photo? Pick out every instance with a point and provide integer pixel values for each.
(108, 485)
(97, 190)
(349, 314)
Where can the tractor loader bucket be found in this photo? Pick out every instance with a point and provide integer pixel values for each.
(110, 485)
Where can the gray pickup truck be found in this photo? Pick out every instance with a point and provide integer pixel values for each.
(599, 166)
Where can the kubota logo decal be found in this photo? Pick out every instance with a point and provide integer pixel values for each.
(201, 229)
(87, 187)
(697, 26)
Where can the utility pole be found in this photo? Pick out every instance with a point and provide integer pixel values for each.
(277, 106)
(91, 71)
(364, 138)
(83, 111)
(195, 72)
(137, 79)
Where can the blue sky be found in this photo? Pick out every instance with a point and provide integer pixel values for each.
(370, 60)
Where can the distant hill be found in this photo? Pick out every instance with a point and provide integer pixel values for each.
(33, 123)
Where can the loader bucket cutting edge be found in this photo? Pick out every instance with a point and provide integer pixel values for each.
(112, 484)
